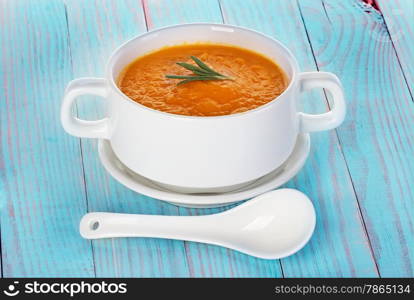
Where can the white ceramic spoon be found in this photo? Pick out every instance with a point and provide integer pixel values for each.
(273, 225)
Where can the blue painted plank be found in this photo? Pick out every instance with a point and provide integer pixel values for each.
(42, 195)
(339, 247)
(161, 13)
(95, 31)
(377, 137)
(207, 260)
(399, 20)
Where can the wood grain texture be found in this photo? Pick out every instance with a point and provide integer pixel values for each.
(42, 193)
(358, 177)
(339, 247)
(95, 31)
(207, 260)
(377, 137)
(399, 20)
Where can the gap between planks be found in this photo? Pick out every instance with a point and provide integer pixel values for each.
(361, 215)
(79, 139)
(378, 8)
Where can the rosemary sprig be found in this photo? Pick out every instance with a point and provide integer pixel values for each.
(201, 72)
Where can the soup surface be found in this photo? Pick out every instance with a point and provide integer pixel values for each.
(256, 80)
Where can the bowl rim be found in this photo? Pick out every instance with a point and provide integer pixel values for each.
(291, 59)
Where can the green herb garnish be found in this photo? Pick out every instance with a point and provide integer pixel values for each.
(201, 72)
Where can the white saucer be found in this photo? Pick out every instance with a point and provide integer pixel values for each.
(146, 187)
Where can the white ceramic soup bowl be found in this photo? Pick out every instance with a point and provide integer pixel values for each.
(202, 154)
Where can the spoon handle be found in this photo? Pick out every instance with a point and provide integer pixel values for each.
(110, 225)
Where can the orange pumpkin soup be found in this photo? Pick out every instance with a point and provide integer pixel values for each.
(254, 80)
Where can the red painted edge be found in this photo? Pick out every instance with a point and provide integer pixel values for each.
(373, 3)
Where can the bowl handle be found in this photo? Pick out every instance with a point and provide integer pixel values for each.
(79, 127)
(332, 118)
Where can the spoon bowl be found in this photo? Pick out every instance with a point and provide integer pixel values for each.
(271, 226)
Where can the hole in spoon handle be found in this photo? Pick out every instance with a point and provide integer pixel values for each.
(90, 224)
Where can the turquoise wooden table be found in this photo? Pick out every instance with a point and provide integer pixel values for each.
(360, 177)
